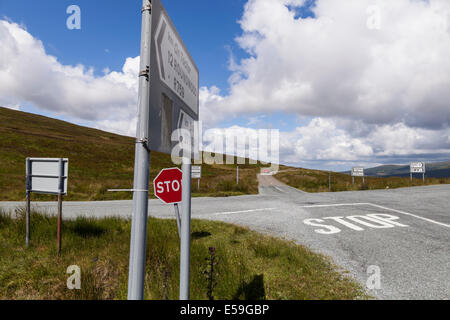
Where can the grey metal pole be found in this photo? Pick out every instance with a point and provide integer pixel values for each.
(353, 180)
(138, 237)
(423, 177)
(177, 215)
(237, 174)
(27, 241)
(28, 200)
(410, 177)
(58, 234)
(185, 230)
(329, 181)
(61, 190)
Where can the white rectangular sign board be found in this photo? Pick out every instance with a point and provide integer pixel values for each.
(417, 167)
(174, 84)
(196, 172)
(176, 68)
(44, 174)
(358, 172)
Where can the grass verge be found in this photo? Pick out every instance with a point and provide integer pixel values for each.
(318, 181)
(249, 265)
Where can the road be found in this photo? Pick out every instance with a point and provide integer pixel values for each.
(402, 235)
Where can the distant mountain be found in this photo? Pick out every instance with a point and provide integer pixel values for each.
(433, 170)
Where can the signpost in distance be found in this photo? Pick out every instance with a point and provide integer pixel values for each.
(417, 167)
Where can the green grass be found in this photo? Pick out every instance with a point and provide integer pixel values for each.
(317, 181)
(250, 265)
(98, 161)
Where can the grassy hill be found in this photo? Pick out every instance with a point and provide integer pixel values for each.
(98, 161)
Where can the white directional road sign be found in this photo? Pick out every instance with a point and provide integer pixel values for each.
(44, 174)
(358, 172)
(174, 84)
(175, 66)
(417, 167)
(196, 172)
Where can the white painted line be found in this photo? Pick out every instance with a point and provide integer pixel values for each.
(298, 190)
(412, 215)
(279, 189)
(380, 207)
(335, 205)
(243, 211)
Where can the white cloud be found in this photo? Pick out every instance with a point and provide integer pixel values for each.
(29, 75)
(12, 106)
(323, 140)
(334, 65)
(210, 107)
(372, 92)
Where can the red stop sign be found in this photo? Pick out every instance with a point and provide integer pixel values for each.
(167, 185)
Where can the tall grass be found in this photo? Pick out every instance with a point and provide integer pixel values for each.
(251, 266)
(318, 181)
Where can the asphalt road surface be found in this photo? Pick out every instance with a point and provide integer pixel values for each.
(396, 242)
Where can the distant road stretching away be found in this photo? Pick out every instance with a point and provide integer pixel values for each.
(404, 234)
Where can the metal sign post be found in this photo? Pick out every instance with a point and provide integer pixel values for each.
(174, 186)
(357, 172)
(417, 167)
(197, 174)
(329, 181)
(177, 216)
(172, 100)
(47, 176)
(237, 174)
(28, 205)
(185, 230)
(138, 239)
(60, 193)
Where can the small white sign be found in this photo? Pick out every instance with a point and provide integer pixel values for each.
(358, 172)
(417, 167)
(196, 172)
(45, 174)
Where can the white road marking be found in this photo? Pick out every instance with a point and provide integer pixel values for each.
(335, 205)
(243, 211)
(381, 222)
(279, 189)
(380, 207)
(412, 215)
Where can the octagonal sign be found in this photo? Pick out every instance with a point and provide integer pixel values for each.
(167, 185)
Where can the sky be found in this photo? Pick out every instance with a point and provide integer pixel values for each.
(347, 82)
